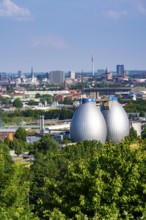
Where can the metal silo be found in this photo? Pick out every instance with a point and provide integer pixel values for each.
(88, 123)
(116, 120)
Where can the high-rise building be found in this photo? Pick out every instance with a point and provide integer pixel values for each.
(120, 70)
(3, 76)
(20, 74)
(72, 74)
(57, 76)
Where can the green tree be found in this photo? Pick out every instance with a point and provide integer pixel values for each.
(14, 188)
(44, 167)
(17, 103)
(37, 95)
(65, 114)
(32, 113)
(88, 180)
(5, 100)
(136, 106)
(142, 114)
(46, 144)
(66, 141)
(132, 135)
(21, 134)
(18, 145)
(143, 133)
(32, 102)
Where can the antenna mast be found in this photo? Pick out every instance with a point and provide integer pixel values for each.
(92, 59)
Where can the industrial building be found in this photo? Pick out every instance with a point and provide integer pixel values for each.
(116, 120)
(106, 122)
(88, 123)
(137, 126)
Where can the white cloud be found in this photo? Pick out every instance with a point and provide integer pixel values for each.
(141, 8)
(137, 5)
(9, 9)
(49, 41)
(116, 9)
(115, 14)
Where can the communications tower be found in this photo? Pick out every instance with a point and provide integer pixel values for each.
(92, 59)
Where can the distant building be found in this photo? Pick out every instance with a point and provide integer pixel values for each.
(125, 75)
(57, 137)
(59, 97)
(72, 74)
(3, 76)
(20, 74)
(120, 70)
(32, 73)
(7, 133)
(57, 76)
(32, 139)
(108, 75)
(137, 126)
(100, 71)
(141, 95)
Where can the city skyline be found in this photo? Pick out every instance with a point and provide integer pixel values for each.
(64, 35)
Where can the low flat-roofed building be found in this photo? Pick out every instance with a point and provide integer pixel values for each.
(141, 95)
(137, 126)
(32, 139)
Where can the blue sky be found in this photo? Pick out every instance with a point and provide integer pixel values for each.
(64, 34)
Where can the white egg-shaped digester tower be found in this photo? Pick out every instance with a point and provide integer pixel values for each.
(88, 123)
(116, 120)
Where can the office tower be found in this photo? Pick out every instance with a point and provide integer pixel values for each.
(57, 76)
(20, 74)
(120, 70)
(3, 76)
(72, 74)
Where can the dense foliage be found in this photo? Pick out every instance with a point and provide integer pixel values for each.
(14, 188)
(17, 103)
(17, 116)
(89, 180)
(138, 106)
(86, 180)
(21, 134)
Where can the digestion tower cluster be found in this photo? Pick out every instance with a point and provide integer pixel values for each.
(107, 122)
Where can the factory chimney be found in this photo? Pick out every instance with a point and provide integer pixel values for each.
(42, 127)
